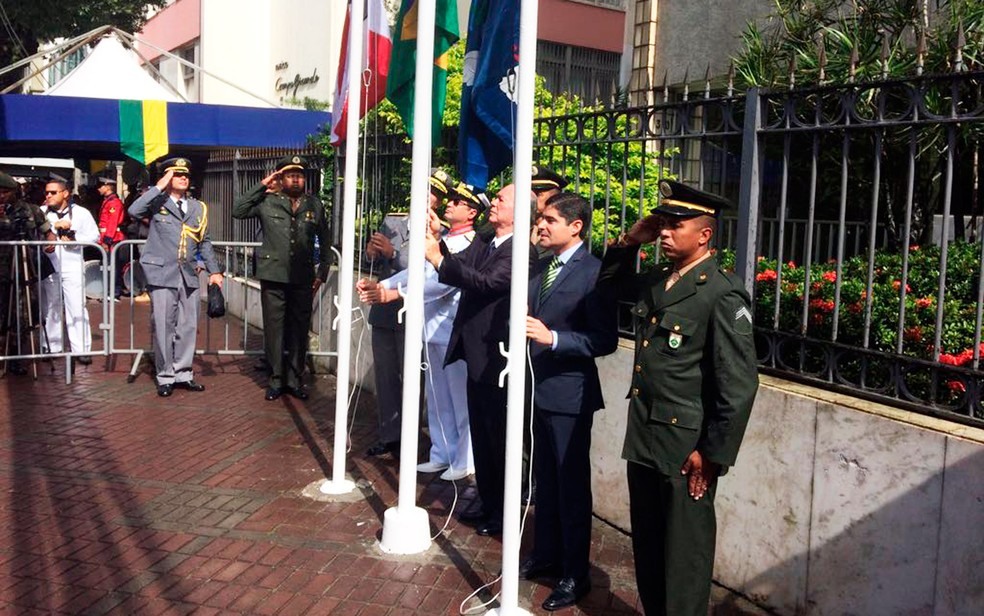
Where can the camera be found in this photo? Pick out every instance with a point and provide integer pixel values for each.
(68, 234)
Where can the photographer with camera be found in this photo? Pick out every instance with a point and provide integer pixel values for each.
(63, 291)
(19, 220)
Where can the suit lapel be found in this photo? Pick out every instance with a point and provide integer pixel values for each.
(685, 287)
(565, 271)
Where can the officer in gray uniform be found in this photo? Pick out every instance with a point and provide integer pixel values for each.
(291, 220)
(178, 234)
(693, 385)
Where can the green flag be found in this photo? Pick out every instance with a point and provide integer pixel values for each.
(400, 83)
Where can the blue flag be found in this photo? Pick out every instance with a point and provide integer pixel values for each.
(488, 95)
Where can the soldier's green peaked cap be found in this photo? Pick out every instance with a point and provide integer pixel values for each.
(680, 200)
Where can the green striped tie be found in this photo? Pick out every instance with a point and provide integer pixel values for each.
(549, 276)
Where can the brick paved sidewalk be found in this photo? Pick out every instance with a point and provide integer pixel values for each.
(118, 501)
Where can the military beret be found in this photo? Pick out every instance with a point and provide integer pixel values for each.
(470, 195)
(105, 179)
(287, 163)
(440, 183)
(177, 165)
(680, 200)
(545, 178)
(6, 181)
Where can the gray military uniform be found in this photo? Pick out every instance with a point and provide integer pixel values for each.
(168, 261)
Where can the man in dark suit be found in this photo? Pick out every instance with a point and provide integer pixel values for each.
(178, 234)
(483, 272)
(570, 324)
(693, 385)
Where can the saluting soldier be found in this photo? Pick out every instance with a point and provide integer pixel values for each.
(291, 220)
(693, 385)
(178, 234)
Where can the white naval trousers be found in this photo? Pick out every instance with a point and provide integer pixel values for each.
(63, 294)
(447, 410)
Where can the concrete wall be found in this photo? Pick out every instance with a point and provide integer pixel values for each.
(695, 33)
(836, 506)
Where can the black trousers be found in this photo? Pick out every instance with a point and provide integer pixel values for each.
(387, 357)
(672, 541)
(487, 419)
(562, 469)
(286, 322)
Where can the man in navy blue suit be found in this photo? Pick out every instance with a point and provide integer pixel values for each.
(570, 324)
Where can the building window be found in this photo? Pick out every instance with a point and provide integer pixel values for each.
(590, 74)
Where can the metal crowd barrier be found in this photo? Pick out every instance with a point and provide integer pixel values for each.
(27, 295)
(241, 291)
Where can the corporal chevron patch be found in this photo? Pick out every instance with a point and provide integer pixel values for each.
(743, 312)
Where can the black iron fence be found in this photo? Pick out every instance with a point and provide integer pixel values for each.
(857, 227)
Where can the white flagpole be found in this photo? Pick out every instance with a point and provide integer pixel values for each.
(406, 529)
(338, 484)
(522, 168)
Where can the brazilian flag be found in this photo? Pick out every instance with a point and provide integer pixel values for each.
(400, 83)
(143, 130)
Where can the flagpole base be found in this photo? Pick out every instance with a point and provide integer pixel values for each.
(516, 611)
(337, 486)
(405, 531)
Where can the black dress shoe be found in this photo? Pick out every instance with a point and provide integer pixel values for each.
(567, 592)
(190, 386)
(531, 568)
(273, 393)
(491, 528)
(85, 360)
(298, 392)
(380, 448)
(165, 390)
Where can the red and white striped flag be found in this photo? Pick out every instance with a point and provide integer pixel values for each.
(375, 66)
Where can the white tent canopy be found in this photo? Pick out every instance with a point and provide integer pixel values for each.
(112, 71)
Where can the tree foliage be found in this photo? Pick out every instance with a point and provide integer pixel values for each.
(28, 23)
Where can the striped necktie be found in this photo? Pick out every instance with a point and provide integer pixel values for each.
(549, 276)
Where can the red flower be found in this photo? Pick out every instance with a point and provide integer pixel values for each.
(956, 387)
(913, 248)
(912, 334)
(897, 284)
(791, 265)
(830, 276)
(822, 305)
(856, 307)
(924, 302)
(950, 360)
(769, 275)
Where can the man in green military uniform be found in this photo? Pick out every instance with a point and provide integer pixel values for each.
(291, 220)
(19, 220)
(694, 380)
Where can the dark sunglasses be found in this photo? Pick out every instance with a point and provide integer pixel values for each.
(179, 175)
(52, 192)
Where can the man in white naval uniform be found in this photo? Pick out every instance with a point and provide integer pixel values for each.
(178, 235)
(63, 293)
(447, 401)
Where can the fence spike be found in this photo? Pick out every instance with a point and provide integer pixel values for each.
(791, 74)
(686, 83)
(958, 64)
(886, 51)
(920, 52)
(822, 61)
(852, 70)
(666, 87)
(731, 78)
(707, 81)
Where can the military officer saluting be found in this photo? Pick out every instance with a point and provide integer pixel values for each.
(693, 384)
(291, 221)
(177, 235)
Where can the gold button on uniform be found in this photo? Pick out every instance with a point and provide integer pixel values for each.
(673, 421)
(653, 321)
(645, 343)
(638, 368)
(676, 328)
(635, 391)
